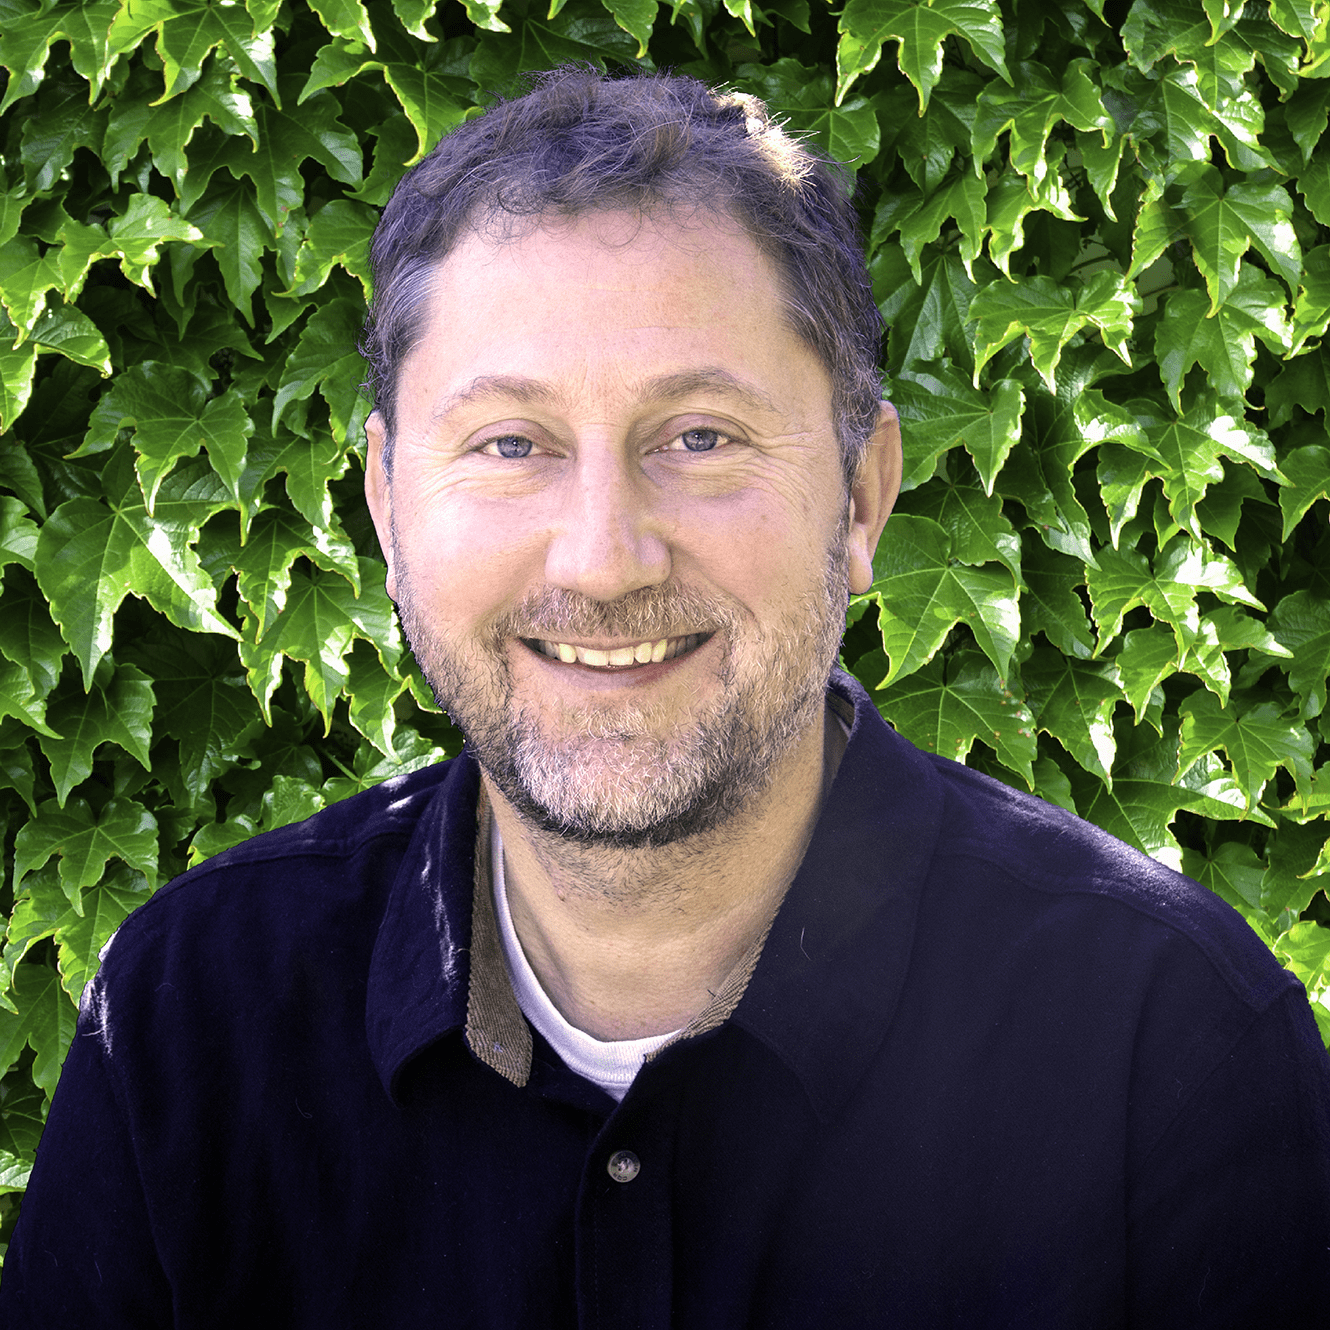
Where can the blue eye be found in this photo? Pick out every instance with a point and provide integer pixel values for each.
(512, 445)
(700, 440)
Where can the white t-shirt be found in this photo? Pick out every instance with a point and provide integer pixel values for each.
(611, 1064)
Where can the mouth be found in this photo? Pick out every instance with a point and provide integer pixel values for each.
(618, 658)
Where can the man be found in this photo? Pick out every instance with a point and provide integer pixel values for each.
(689, 995)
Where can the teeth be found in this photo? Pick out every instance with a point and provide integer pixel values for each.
(642, 654)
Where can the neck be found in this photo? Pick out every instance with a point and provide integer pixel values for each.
(633, 942)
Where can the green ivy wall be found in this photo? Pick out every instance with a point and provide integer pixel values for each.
(1099, 237)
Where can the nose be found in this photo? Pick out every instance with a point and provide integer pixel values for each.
(609, 536)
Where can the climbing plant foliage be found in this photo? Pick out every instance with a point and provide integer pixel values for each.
(1100, 236)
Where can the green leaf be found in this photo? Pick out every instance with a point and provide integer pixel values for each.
(25, 278)
(1233, 873)
(1300, 623)
(1073, 700)
(85, 842)
(229, 219)
(1148, 657)
(963, 200)
(81, 937)
(929, 320)
(74, 335)
(346, 19)
(372, 691)
(45, 1020)
(1306, 951)
(1224, 224)
(326, 357)
(19, 697)
(276, 540)
(919, 30)
(1012, 199)
(940, 409)
(339, 233)
(1311, 309)
(927, 145)
(1031, 108)
(26, 36)
(28, 636)
(1256, 743)
(140, 230)
(118, 710)
(17, 367)
(1125, 579)
(1222, 341)
(319, 625)
(922, 594)
(1050, 314)
(91, 553)
(1191, 448)
(1307, 470)
(974, 521)
(945, 706)
(169, 411)
(1051, 602)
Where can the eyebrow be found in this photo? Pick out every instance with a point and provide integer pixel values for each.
(662, 388)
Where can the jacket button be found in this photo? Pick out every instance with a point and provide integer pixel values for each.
(624, 1166)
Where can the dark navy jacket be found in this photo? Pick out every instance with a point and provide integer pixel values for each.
(993, 1069)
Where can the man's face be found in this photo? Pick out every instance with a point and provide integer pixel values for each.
(615, 524)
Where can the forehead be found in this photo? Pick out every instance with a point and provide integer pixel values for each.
(611, 295)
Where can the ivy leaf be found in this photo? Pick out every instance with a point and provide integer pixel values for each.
(25, 278)
(326, 357)
(26, 36)
(1148, 657)
(1222, 341)
(1011, 199)
(922, 594)
(1256, 743)
(1191, 447)
(311, 465)
(276, 540)
(974, 521)
(230, 220)
(927, 145)
(45, 1020)
(963, 200)
(118, 710)
(1307, 470)
(927, 320)
(1300, 623)
(319, 625)
(1233, 873)
(172, 417)
(1051, 602)
(429, 106)
(20, 1130)
(140, 230)
(346, 19)
(919, 30)
(1125, 579)
(339, 233)
(74, 335)
(80, 937)
(28, 637)
(373, 690)
(945, 706)
(1050, 314)
(187, 30)
(1311, 309)
(1073, 700)
(1224, 224)
(85, 842)
(19, 697)
(941, 409)
(18, 365)
(1031, 107)
(202, 702)
(91, 553)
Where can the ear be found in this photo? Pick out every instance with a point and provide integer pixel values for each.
(874, 493)
(378, 494)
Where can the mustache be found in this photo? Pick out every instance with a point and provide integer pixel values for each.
(647, 614)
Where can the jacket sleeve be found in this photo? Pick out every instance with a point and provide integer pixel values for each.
(1230, 1213)
(83, 1252)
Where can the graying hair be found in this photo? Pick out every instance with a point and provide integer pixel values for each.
(579, 141)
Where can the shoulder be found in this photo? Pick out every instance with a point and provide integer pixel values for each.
(327, 877)
(1005, 841)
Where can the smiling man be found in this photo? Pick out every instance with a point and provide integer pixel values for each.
(689, 995)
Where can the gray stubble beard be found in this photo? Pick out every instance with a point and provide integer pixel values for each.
(610, 778)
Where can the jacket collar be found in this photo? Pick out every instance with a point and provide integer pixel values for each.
(831, 969)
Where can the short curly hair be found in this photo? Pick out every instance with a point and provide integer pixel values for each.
(580, 141)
